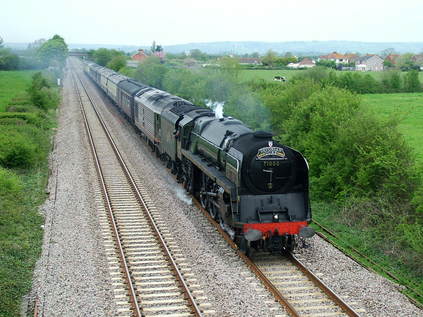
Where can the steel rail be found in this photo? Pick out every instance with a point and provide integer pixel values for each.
(344, 306)
(266, 282)
(196, 310)
(366, 258)
(124, 264)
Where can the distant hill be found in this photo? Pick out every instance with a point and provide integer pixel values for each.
(297, 47)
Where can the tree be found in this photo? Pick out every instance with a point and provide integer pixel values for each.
(117, 63)
(102, 56)
(405, 62)
(8, 60)
(387, 52)
(151, 72)
(269, 59)
(326, 63)
(1, 42)
(53, 52)
(412, 82)
(198, 55)
(230, 66)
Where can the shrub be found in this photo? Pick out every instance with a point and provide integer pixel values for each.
(391, 81)
(41, 95)
(12, 121)
(10, 185)
(117, 63)
(31, 118)
(16, 151)
(412, 82)
(21, 108)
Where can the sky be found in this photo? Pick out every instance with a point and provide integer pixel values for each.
(128, 22)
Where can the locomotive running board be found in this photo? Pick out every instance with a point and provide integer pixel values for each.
(211, 171)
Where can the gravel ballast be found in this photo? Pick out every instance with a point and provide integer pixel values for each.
(377, 295)
(71, 277)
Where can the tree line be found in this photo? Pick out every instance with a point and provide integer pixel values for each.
(393, 81)
(38, 55)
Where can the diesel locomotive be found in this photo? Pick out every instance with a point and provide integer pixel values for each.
(254, 186)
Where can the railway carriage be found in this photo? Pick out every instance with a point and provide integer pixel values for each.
(255, 187)
(126, 92)
(112, 85)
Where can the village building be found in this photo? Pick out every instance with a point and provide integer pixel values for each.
(140, 56)
(418, 60)
(368, 63)
(339, 58)
(392, 58)
(305, 63)
(249, 61)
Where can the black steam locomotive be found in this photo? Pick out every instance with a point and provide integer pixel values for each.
(255, 187)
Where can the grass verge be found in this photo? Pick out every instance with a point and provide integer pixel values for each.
(384, 252)
(22, 189)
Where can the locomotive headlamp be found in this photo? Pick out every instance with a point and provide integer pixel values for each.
(276, 217)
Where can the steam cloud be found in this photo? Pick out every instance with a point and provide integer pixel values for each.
(216, 106)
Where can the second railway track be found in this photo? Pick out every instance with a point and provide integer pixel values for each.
(150, 275)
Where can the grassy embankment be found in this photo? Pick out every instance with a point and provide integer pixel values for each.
(409, 108)
(25, 136)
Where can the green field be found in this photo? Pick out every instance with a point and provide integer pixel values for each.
(12, 84)
(409, 108)
(247, 74)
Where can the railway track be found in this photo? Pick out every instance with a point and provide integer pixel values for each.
(149, 273)
(296, 288)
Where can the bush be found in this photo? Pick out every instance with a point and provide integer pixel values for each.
(41, 94)
(117, 63)
(16, 151)
(10, 186)
(351, 153)
(12, 121)
(31, 118)
(21, 108)
(412, 82)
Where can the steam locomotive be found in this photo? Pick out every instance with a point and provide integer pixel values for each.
(254, 186)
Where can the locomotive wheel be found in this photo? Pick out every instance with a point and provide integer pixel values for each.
(204, 201)
(213, 211)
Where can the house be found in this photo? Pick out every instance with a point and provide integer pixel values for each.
(392, 58)
(249, 61)
(418, 60)
(305, 63)
(337, 58)
(369, 63)
(140, 56)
